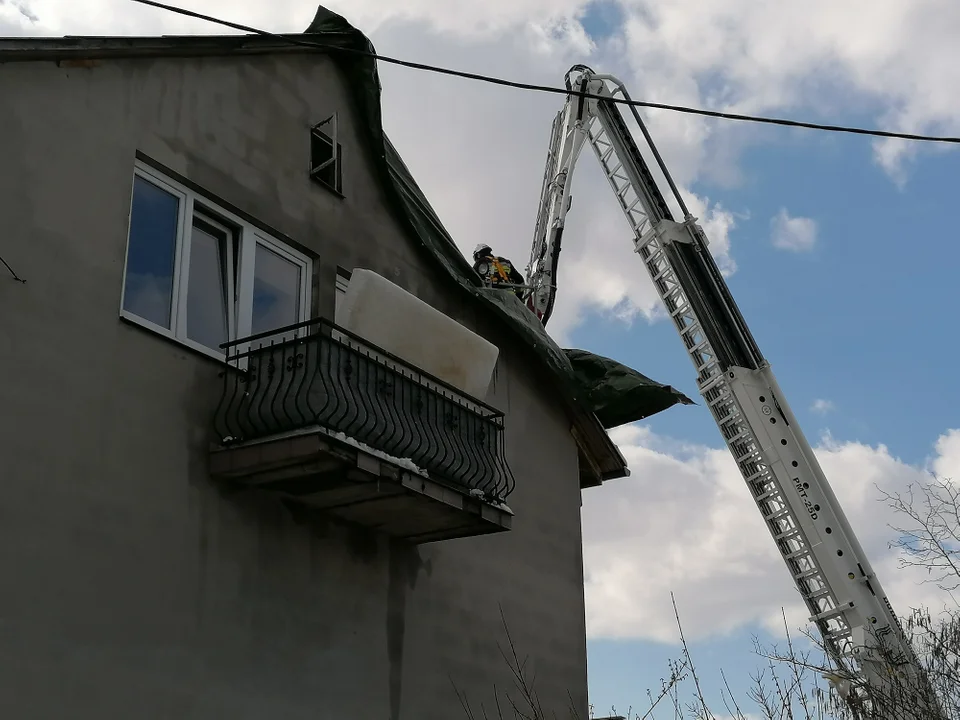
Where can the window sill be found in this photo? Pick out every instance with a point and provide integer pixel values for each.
(193, 347)
(329, 188)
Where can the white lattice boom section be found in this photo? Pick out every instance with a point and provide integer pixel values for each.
(714, 389)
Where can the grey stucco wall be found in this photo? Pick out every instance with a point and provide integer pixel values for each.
(135, 587)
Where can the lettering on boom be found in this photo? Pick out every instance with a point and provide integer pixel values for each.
(803, 494)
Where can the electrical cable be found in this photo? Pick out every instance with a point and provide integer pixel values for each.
(559, 91)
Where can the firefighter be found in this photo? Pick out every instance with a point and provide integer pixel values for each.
(496, 270)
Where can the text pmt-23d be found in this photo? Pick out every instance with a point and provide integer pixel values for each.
(881, 676)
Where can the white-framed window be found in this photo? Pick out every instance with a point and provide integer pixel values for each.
(199, 274)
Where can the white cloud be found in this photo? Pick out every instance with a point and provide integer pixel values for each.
(890, 61)
(947, 449)
(822, 406)
(16, 11)
(685, 522)
(797, 234)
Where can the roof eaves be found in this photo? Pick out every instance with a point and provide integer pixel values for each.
(604, 458)
(24, 49)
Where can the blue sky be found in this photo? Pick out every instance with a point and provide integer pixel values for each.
(860, 320)
(601, 19)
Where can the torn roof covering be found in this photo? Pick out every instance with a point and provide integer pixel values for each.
(615, 393)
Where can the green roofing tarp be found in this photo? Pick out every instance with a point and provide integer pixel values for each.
(614, 392)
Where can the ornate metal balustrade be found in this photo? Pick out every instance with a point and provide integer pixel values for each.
(316, 375)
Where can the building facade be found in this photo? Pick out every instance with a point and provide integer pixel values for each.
(298, 525)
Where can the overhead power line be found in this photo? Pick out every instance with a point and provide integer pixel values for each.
(549, 89)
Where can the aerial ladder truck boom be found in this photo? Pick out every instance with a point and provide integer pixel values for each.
(847, 604)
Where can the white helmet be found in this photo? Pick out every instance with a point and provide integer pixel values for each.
(480, 250)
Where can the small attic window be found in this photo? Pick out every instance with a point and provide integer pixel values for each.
(325, 155)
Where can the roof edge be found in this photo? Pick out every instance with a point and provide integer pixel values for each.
(90, 47)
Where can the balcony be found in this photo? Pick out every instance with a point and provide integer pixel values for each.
(315, 414)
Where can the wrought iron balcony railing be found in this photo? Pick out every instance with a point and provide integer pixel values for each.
(318, 375)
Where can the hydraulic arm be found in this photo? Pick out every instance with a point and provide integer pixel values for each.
(846, 602)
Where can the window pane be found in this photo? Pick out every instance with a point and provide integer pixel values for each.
(276, 291)
(151, 252)
(207, 287)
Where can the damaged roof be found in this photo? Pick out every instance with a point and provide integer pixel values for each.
(615, 393)
(601, 393)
